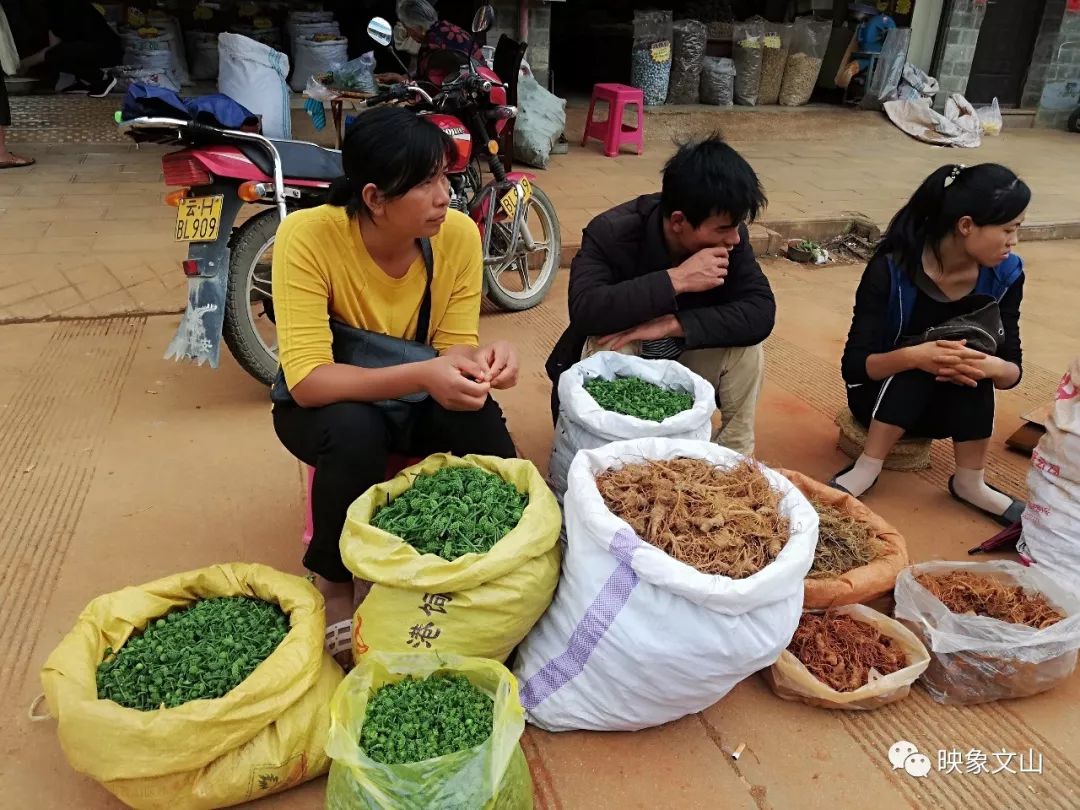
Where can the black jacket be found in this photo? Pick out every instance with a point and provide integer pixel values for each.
(619, 280)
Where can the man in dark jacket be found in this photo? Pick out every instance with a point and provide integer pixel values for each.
(672, 275)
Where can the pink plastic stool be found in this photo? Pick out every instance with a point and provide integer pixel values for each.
(613, 132)
(394, 465)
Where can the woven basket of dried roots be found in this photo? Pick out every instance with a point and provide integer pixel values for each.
(724, 522)
(858, 554)
(844, 543)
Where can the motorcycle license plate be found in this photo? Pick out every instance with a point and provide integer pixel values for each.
(509, 201)
(199, 219)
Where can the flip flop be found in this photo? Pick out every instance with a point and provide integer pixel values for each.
(832, 482)
(10, 164)
(339, 643)
(1007, 518)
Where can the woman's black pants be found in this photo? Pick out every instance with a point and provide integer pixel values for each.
(348, 444)
(925, 408)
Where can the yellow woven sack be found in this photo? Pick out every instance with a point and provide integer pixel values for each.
(477, 605)
(266, 735)
(493, 775)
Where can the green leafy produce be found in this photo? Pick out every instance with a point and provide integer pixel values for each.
(413, 720)
(198, 653)
(453, 512)
(632, 396)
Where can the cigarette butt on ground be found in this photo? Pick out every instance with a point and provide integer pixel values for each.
(738, 751)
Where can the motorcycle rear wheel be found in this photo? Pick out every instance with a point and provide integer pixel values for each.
(249, 329)
(523, 281)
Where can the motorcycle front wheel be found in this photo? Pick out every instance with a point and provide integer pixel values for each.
(522, 278)
(249, 329)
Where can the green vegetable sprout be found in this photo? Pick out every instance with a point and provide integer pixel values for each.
(413, 720)
(632, 396)
(453, 512)
(198, 653)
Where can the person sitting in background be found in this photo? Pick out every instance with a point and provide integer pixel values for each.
(672, 275)
(946, 254)
(9, 62)
(444, 47)
(81, 43)
(388, 256)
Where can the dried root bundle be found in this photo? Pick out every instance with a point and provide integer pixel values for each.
(841, 651)
(974, 595)
(721, 522)
(844, 543)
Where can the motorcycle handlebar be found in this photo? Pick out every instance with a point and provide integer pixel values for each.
(399, 92)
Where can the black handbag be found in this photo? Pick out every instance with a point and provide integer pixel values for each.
(360, 347)
(980, 326)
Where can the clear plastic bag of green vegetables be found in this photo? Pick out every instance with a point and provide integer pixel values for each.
(491, 774)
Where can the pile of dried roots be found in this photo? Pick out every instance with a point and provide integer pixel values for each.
(844, 543)
(723, 522)
(967, 593)
(841, 651)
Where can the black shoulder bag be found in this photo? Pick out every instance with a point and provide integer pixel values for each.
(980, 326)
(360, 347)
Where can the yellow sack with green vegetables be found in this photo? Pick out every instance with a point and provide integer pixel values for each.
(492, 775)
(265, 735)
(479, 605)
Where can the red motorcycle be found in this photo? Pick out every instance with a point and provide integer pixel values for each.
(220, 170)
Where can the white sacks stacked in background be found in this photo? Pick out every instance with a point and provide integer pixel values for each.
(635, 638)
(311, 58)
(253, 74)
(202, 48)
(170, 26)
(307, 24)
(151, 53)
(584, 425)
(1051, 537)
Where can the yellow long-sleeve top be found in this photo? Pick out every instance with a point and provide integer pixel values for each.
(322, 269)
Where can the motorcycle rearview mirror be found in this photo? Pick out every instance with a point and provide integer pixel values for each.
(380, 31)
(483, 19)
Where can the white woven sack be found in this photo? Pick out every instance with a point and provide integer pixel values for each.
(253, 75)
(635, 638)
(1051, 521)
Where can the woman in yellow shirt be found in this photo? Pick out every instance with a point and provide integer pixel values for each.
(359, 262)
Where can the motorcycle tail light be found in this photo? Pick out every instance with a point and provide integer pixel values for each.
(191, 267)
(181, 169)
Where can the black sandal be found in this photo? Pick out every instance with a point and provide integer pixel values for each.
(832, 481)
(1007, 518)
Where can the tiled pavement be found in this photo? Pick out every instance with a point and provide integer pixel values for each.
(85, 234)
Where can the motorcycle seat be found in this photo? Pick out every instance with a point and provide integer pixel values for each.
(299, 160)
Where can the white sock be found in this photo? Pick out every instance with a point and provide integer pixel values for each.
(862, 476)
(970, 485)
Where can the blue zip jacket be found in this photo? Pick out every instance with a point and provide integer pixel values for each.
(993, 281)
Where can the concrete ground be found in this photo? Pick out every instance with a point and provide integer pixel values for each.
(122, 467)
(84, 233)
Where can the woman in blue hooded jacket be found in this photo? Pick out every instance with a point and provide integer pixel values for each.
(935, 330)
